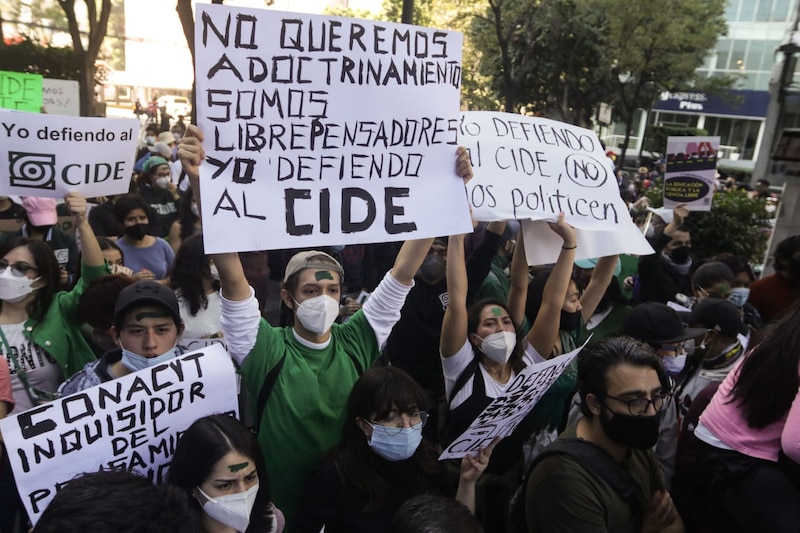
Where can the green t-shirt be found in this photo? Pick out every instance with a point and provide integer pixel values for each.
(562, 496)
(304, 415)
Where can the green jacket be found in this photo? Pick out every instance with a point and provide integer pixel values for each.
(58, 331)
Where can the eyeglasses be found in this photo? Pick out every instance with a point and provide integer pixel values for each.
(394, 423)
(18, 269)
(639, 406)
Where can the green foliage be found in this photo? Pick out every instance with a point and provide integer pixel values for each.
(49, 61)
(656, 138)
(736, 224)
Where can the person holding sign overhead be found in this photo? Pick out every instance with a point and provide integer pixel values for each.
(300, 375)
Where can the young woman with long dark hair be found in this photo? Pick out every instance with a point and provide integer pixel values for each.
(748, 438)
(196, 290)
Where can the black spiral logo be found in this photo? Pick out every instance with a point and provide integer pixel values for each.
(33, 171)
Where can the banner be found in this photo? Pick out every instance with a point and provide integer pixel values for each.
(51, 155)
(325, 130)
(691, 172)
(505, 413)
(535, 168)
(132, 423)
(21, 91)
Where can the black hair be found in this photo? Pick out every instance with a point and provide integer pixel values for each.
(46, 265)
(128, 203)
(474, 319)
(96, 304)
(737, 264)
(767, 383)
(117, 501)
(190, 268)
(107, 244)
(710, 273)
(785, 250)
(595, 363)
(377, 392)
(205, 442)
(430, 513)
(186, 217)
(613, 296)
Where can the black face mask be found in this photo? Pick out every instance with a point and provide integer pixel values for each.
(639, 432)
(680, 254)
(794, 268)
(433, 269)
(570, 321)
(136, 232)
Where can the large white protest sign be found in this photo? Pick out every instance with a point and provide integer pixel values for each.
(546, 245)
(132, 423)
(325, 130)
(51, 155)
(505, 413)
(691, 172)
(535, 168)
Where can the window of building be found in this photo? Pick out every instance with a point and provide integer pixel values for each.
(738, 52)
(723, 52)
(732, 10)
(781, 10)
(764, 11)
(747, 13)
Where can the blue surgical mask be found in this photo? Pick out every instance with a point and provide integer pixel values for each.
(135, 362)
(397, 446)
(739, 295)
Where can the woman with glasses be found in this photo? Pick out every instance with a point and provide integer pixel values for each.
(40, 336)
(748, 440)
(381, 461)
(219, 464)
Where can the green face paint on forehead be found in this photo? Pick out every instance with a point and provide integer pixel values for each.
(151, 314)
(235, 468)
(496, 311)
(323, 274)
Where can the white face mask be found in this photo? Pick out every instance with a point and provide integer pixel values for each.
(233, 510)
(739, 296)
(13, 288)
(162, 182)
(499, 346)
(135, 362)
(317, 314)
(674, 365)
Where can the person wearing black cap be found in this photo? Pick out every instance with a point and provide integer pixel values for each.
(147, 325)
(661, 327)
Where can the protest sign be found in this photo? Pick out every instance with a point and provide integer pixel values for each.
(505, 413)
(132, 423)
(51, 155)
(20, 91)
(691, 172)
(189, 344)
(547, 245)
(325, 130)
(535, 168)
(61, 97)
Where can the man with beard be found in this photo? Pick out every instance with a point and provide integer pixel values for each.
(772, 295)
(666, 273)
(604, 476)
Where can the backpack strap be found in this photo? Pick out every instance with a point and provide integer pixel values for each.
(266, 390)
(468, 373)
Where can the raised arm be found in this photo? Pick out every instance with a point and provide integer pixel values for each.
(544, 332)
(231, 275)
(518, 293)
(454, 324)
(91, 255)
(601, 277)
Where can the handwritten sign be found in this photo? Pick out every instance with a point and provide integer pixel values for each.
(325, 130)
(20, 91)
(61, 97)
(132, 423)
(547, 245)
(50, 155)
(505, 413)
(691, 172)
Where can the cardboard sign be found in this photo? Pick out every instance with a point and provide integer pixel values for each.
(61, 97)
(51, 155)
(534, 168)
(325, 130)
(505, 413)
(21, 91)
(132, 423)
(691, 172)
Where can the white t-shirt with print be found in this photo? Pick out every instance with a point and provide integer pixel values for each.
(40, 368)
